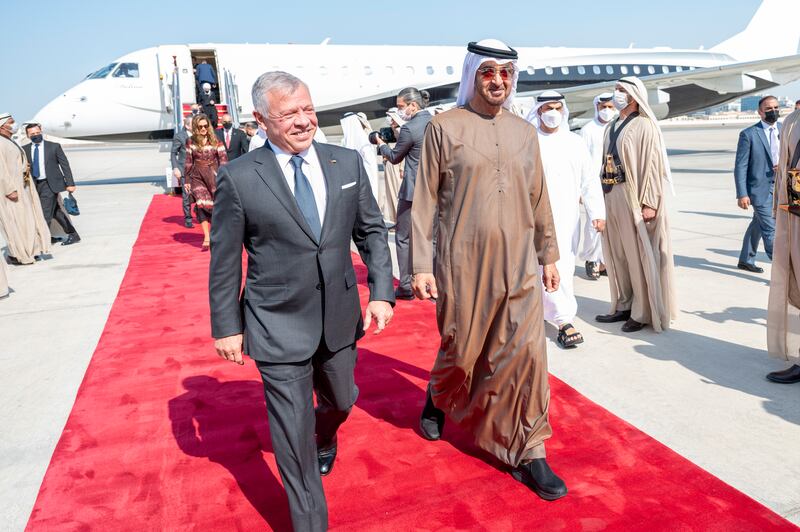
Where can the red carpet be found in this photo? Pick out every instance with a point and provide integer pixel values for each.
(166, 436)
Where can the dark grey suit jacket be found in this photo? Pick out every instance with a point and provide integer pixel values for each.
(178, 152)
(408, 147)
(298, 291)
(240, 144)
(56, 165)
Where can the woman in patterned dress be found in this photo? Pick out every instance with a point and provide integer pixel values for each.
(204, 155)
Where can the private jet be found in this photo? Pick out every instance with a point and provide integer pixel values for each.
(148, 91)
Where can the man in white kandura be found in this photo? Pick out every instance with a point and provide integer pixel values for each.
(571, 175)
(591, 248)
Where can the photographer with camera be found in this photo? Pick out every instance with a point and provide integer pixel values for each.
(411, 105)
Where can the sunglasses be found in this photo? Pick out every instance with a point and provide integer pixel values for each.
(202, 126)
(489, 73)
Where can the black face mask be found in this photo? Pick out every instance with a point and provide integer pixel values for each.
(227, 125)
(36, 139)
(771, 116)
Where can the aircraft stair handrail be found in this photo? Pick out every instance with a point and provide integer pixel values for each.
(177, 108)
(232, 99)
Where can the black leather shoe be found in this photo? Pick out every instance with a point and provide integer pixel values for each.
(74, 238)
(632, 326)
(188, 223)
(620, 315)
(54, 240)
(406, 294)
(787, 376)
(431, 422)
(13, 260)
(750, 267)
(538, 476)
(326, 459)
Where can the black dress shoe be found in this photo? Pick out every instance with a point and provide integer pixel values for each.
(13, 260)
(538, 476)
(74, 238)
(188, 223)
(787, 376)
(620, 315)
(326, 459)
(750, 267)
(632, 326)
(54, 240)
(406, 294)
(431, 422)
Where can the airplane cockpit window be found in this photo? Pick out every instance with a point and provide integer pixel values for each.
(126, 70)
(103, 72)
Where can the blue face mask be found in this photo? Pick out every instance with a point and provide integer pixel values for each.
(36, 139)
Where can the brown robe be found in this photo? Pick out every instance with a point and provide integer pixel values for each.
(639, 254)
(495, 227)
(783, 322)
(22, 222)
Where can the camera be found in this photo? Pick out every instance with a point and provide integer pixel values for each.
(385, 133)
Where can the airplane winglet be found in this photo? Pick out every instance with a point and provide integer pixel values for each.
(772, 32)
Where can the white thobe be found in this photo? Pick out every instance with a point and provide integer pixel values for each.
(591, 248)
(571, 176)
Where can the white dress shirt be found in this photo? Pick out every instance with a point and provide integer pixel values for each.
(42, 173)
(774, 149)
(258, 140)
(313, 171)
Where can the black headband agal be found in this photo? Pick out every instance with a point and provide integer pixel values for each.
(629, 82)
(486, 51)
(605, 99)
(552, 98)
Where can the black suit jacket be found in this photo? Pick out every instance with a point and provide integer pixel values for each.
(298, 291)
(239, 142)
(56, 165)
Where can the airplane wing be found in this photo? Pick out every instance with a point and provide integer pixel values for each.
(680, 93)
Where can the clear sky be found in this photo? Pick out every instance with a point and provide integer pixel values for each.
(51, 47)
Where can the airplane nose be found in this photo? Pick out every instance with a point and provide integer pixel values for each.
(55, 117)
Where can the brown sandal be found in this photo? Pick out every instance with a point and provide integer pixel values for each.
(567, 340)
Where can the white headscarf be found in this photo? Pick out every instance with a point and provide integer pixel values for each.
(605, 97)
(473, 61)
(547, 97)
(392, 115)
(638, 92)
(355, 137)
(4, 117)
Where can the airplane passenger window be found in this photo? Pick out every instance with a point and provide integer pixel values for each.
(429, 70)
(609, 69)
(678, 69)
(565, 70)
(596, 69)
(410, 69)
(530, 70)
(323, 70)
(103, 72)
(449, 70)
(126, 70)
(548, 71)
(651, 69)
(581, 70)
(623, 69)
(637, 70)
(665, 69)
(390, 70)
(368, 70)
(692, 68)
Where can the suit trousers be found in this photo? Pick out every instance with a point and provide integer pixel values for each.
(187, 205)
(402, 237)
(761, 227)
(51, 208)
(293, 423)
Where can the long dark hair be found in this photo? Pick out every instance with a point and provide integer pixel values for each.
(412, 94)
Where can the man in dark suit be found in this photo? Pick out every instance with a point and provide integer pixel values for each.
(235, 140)
(754, 173)
(178, 158)
(208, 106)
(295, 205)
(52, 174)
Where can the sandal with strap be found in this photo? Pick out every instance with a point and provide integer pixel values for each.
(592, 270)
(566, 340)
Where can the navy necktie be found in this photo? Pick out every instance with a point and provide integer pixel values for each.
(304, 197)
(35, 167)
